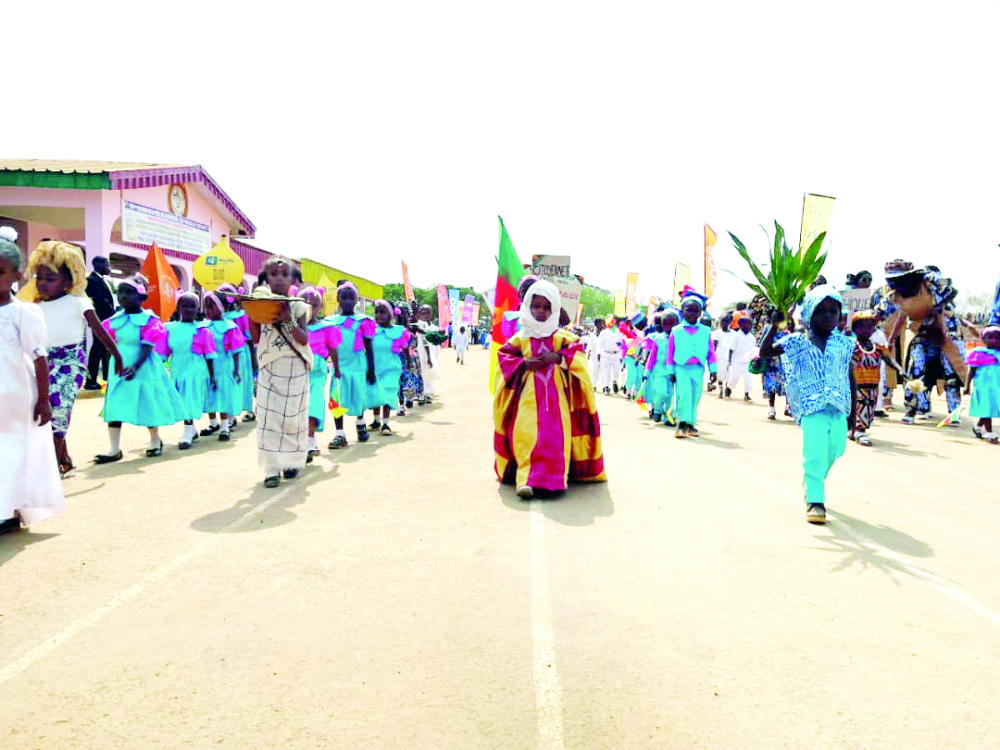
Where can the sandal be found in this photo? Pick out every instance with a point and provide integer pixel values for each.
(338, 442)
(67, 471)
(107, 458)
(272, 482)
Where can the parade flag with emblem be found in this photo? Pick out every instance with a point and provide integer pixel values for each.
(509, 273)
(163, 283)
(711, 275)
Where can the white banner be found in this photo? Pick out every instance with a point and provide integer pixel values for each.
(143, 225)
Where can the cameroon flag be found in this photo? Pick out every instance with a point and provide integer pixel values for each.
(509, 273)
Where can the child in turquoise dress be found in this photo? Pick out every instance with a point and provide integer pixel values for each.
(659, 390)
(357, 364)
(984, 384)
(191, 348)
(387, 345)
(237, 315)
(225, 397)
(142, 394)
(819, 384)
(689, 352)
(324, 338)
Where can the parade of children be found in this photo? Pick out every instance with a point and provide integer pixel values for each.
(289, 374)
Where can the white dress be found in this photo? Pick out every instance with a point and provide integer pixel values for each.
(428, 354)
(30, 487)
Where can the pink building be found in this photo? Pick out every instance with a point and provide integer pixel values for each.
(117, 209)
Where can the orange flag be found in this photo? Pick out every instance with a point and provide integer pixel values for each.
(163, 283)
(711, 275)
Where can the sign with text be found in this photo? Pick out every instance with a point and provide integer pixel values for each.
(547, 266)
(142, 225)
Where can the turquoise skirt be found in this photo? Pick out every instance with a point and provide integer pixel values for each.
(191, 384)
(317, 391)
(246, 384)
(986, 393)
(226, 397)
(387, 384)
(355, 393)
(148, 400)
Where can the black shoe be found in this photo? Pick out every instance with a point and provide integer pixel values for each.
(224, 437)
(615, 385)
(184, 446)
(272, 482)
(290, 473)
(154, 452)
(362, 434)
(881, 413)
(11, 524)
(657, 417)
(210, 430)
(386, 430)
(374, 425)
(607, 391)
(91, 385)
(338, 442)
(108, 458)
(250, 417)
(409, 404)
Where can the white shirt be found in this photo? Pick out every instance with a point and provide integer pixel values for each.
(742, 345)
(879, 338)
(64, 319)
(460, 340)
(608, 342)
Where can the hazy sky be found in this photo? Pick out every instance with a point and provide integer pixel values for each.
(363, 133)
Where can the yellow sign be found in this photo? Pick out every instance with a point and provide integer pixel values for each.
(630, 283)
(619, 304)
(219, 266)
(329, 294)
(816, 210)
(682, 278)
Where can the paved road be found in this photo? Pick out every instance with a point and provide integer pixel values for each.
(395, 597)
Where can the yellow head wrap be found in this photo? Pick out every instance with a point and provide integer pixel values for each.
(54, 254)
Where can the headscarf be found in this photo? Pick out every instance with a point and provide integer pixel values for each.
(813, 299)
(228, 290)
(53, 254)
(738, 315)
(540, 329)
(138, 282)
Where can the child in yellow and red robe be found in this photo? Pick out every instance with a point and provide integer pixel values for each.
(546, 428)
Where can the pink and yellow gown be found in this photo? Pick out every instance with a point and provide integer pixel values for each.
(546, 428)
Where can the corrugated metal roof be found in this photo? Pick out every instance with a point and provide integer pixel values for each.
(68, 166)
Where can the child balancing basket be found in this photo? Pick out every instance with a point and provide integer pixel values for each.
(265, 310)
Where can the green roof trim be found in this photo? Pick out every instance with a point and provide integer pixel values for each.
(73, 181)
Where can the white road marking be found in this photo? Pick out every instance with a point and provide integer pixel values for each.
(77, 627)
(926, 576)
(548, 691)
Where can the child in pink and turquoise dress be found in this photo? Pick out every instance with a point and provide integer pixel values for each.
(225, 398)
(389, 342)
(357, 364)
(689, 352)
(237, 315)
(984, 384)
(659, 390)
(324, 338)
(191, 347)
(142, 393)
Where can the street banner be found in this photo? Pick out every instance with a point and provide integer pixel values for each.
(653, 302)
(218, 266)
(444, 308)
(631, 280)
(455, 303)
(142, 225)
(816, 210)
(475, 313)
(579, 313)
(504, 298)
(619, 304)
(711, 275)
(163, 283)
(407, 286)
(490, 297)
(682, 278)
(467, 306)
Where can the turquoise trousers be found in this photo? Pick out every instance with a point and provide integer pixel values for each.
(824, 439)
(687, 391)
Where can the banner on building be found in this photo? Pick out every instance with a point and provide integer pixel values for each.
(142, 225)
(444, 307)
(682, 278)
(816, 211)
(407, 286)
(711, 275)
(631, 280)
(619, 304)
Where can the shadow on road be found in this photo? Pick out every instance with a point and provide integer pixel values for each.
(276, 515)
(356, 451)
(12, 544)
(859, 542)
(580, 505)
(890, 448)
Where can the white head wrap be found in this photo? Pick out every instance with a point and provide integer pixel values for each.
(540, 329)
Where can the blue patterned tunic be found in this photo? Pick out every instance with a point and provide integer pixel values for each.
(817, 378)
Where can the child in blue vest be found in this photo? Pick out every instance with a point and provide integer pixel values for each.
(689, 352)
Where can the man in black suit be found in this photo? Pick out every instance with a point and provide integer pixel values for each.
(99, 291)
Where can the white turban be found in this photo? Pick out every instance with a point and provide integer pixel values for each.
(540, 329)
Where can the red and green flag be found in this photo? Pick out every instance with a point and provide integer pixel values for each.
(509, 273)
